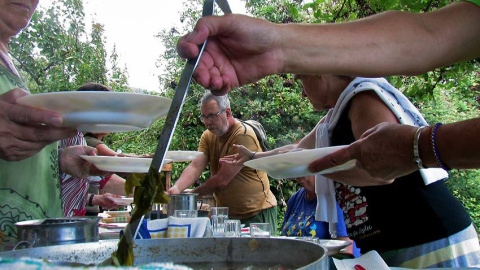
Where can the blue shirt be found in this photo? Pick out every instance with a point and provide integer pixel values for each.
(300, 218)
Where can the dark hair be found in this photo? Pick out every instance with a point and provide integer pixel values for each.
(90, 86)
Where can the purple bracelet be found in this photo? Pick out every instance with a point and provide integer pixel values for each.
(434, 147)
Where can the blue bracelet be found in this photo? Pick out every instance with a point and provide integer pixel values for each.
(434, 147)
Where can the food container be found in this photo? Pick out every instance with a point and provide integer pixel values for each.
(56, 231)
(183, 201)
(205, 253)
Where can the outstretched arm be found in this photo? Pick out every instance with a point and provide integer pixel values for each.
(242, 49)
(385, 151)
(189, 175)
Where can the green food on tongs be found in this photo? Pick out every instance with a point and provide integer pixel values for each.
(147, 188)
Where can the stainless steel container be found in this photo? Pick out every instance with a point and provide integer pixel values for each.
(294, 254)
(56, 231)
(183, 201)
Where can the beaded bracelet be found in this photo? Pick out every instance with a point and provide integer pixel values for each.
(434, 147)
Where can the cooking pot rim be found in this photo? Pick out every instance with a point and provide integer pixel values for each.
(41, 222)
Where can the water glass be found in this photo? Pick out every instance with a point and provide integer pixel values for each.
(260, 230)
(232, 228)
(218, 216)
(186, 213)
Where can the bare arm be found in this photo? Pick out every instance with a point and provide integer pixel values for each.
(363, 119)
(244, 154)
(219, 181)
(389, 43)
(457, 143)
(190, 174)
(242, 49)
(115, 185)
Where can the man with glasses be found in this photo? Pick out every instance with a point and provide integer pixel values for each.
(245, 191)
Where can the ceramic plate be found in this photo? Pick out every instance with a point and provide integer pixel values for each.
(182, 156)
(137, 165)
(121, 164)
(333, 246)
(101, 111)
(295, 164)
(118, 213)
(122, 201)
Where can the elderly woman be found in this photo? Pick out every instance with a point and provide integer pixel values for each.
(29, 160)
(413, 222)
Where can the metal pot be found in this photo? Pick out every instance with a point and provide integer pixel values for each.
(56, 231)
(195, 252)
(183, 201)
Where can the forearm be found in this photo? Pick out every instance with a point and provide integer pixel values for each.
(115, 185)
(457, 145)
(187, 178)
(390, 43)
(276, 151)
(207, 188)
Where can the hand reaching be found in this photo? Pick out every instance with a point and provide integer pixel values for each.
(24, 131)
(383, 153)
(238, 159)
(239, 50)
(105, 201)
(72, 163)
(173, 190)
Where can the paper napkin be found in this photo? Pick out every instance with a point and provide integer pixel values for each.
(370, 261)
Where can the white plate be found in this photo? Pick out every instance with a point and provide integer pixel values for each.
(182, 156)
(333, 246)
(137, 165)
(295, 164)
(122, 201)
(101, 111)
(118, 213)
(121, 164)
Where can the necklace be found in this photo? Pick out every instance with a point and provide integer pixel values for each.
(8, 62)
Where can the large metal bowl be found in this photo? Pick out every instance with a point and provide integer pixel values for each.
(294, 254)
(57, 231)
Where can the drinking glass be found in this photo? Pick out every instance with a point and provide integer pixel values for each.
(218, 216)
(232, 228)
(186, 213)
(260, 229)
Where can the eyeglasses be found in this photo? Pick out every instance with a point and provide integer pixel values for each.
(210, 116)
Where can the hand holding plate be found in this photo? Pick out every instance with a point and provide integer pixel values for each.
(72, 163)
(25, 130)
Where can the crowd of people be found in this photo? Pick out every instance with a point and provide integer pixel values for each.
(394, 201)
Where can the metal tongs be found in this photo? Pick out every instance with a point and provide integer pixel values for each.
(174, 112)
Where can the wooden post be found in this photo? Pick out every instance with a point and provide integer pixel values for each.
(167, 168)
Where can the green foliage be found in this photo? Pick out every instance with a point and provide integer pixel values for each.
(55, 53)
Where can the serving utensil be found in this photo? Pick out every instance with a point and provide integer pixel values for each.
(171, 121)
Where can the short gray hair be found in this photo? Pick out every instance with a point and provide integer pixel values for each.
(222, 101)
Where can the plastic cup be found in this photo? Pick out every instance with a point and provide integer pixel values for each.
(260, 230)
(218, 217)
(232, 228)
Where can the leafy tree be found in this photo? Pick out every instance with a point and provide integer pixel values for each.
(55, 52)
